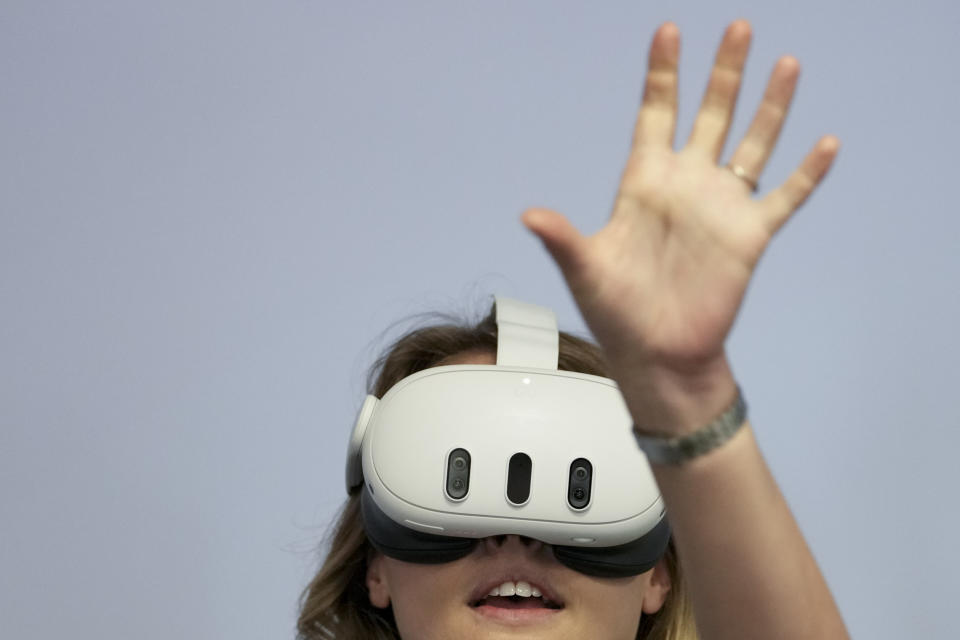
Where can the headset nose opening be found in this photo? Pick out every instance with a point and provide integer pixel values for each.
(506, 541)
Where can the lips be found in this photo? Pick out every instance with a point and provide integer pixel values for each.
(545, 597)
(516, 610)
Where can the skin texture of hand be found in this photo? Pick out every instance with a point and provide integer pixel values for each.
(661, 284)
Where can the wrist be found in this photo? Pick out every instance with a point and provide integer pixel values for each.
(681, 449)
(668, 402)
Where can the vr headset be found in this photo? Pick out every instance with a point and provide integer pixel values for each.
(453, 454)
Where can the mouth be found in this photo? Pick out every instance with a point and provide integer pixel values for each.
(529, 606)
(516, 602)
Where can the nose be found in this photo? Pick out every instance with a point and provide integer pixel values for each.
(511, 542)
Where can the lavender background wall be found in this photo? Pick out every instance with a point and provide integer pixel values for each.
(210, 212)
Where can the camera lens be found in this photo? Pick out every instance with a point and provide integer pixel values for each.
(581, 478)
(458, 474)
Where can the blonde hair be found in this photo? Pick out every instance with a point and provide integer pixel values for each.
(336, 604)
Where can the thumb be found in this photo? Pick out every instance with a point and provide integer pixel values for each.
(561, 239)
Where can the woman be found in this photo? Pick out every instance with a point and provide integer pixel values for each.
(659, 286)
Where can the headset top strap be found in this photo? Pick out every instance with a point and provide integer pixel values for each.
(527, 335)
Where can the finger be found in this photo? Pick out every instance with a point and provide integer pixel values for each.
(657, 119)
(757, 145)
(780, 203)
(561, 239)
(716, 111)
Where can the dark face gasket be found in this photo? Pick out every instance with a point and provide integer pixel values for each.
(408, 545)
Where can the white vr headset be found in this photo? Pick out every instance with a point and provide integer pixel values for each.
(452, 454)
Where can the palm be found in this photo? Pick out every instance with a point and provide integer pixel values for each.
(681, 249)
(665, 277)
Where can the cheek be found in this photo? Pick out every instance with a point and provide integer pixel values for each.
(613, 605)
(425, 599)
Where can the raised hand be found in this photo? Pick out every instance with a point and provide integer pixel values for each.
(661, 284)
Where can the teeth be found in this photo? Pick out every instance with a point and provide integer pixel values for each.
(521, 588)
